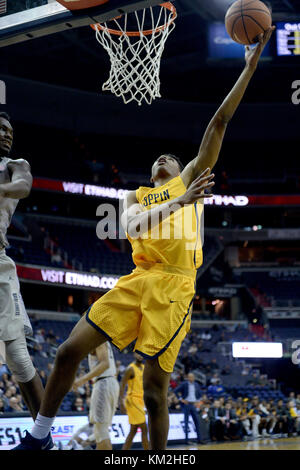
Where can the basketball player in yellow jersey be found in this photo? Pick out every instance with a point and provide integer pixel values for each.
(153, 303)
(134, 404)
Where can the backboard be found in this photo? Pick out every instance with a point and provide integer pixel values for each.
(20, 23)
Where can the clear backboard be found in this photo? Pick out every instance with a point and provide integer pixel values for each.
(25, 20)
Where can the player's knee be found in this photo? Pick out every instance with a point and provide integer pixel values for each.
(66, 354)
(154, 399)
(19, 360)
(24, 372)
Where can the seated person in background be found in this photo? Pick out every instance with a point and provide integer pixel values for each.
(215, 379)
(206, 335)
(174, 382)
(246, 370)
(242, 416)
(268, 420)
(188, 362)
(226, 370)
(254, 380)
(51, 338)
(3, 370)
(40, 336)
(56, 259)
(254, 413)
(78, 405)
(6, 379)
(15, 404)
(232, 426)
(2, 408)
(216, 421)
(281, 417)
(272, 420)
(298, 401)
(222, 401)
(292, 418)
(193, 349)
(212, 366)
(292, 398)
(215, 389)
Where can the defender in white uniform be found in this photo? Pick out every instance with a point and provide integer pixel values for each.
(15, 184)
(105, 394)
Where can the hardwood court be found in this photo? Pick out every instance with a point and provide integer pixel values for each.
(292, 443)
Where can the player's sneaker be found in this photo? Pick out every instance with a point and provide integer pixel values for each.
(30, 443)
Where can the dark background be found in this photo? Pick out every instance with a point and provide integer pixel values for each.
(54, 95)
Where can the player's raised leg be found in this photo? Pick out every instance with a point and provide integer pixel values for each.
(83, 339)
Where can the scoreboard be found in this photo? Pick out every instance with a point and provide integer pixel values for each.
(288, 39)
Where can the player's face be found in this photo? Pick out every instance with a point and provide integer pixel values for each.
(6, 136)
(165, 166)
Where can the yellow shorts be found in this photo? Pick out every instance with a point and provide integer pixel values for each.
(152, 306)
(135, 409)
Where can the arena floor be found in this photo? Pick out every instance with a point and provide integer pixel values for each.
(292, 443)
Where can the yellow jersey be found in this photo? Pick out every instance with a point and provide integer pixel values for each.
(135, 385)
(177, 240)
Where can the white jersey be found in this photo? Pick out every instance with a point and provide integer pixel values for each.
(13, 316)
(111, 371)
(7, 205)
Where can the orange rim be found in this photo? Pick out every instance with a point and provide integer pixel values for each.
(167, 5)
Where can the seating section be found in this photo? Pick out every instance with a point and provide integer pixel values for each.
(208, 358)
(85, 251)
(82, 244)
(279, 291)
(82, 247)
(28, 253)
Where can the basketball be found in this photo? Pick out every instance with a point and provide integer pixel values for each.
(246, 19)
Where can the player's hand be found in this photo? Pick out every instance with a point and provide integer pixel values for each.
(252, 54)
(77, 383)
(196, 190)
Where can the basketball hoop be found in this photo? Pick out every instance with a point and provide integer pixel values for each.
(135, 46)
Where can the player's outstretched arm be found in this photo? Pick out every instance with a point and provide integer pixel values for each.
(213, 138)
(21, 180)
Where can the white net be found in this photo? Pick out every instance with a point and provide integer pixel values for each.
(135, 56)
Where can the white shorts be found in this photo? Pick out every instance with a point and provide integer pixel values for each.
(104, 400)
(14, 320)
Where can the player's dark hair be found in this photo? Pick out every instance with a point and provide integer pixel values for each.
(4, 115)
(181, 165)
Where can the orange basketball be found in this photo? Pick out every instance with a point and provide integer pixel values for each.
(246, 19)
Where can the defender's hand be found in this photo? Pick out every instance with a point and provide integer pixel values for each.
(252, 55)
(196, 189)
